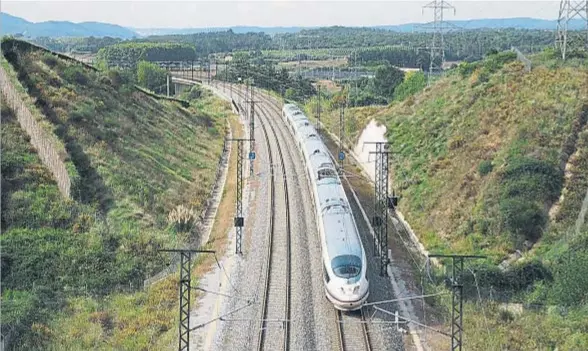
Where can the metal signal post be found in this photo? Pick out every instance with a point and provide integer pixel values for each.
(457, 297)
(251, 129)
(239, 220)
(185, 281)
(382, 202)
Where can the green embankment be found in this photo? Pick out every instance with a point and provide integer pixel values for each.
(73, 270)
(491, 159)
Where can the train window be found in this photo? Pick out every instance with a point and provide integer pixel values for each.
(326, 274)
(346, 266)
(326, 173)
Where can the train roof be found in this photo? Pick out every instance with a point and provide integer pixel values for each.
(340, 233)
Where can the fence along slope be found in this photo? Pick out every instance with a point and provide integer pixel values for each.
(40, 139)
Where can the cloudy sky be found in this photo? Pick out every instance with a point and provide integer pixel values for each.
(176, 14)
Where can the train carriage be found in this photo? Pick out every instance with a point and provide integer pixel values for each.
(343, 255)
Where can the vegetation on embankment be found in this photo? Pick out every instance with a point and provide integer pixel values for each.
(491, 159)
(72, 270)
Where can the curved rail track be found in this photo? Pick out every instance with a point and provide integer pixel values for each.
(276, 292)
(351, 327)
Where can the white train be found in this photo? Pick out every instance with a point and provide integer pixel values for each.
(344, 259)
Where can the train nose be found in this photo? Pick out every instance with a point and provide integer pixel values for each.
(350, 290)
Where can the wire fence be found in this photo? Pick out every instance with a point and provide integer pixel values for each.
(523, 59)
(40, 139)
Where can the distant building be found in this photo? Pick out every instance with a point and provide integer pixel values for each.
(449, 64)
(406, 69)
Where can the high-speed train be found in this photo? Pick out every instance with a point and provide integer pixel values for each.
(344, 259)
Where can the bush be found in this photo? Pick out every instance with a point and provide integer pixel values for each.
(466, 69)
(75, 74)
(485, 167)
(412, 84)
(570, 286)
(533, 175)
(524, 219)
(49, 59)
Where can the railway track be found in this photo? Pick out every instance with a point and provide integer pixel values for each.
(274, 329)
(352, 331)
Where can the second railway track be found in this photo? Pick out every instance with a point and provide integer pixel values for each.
(274, 331)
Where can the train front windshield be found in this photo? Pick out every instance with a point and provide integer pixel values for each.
(346, 266)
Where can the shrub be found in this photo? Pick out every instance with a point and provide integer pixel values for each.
(412, 84)
(506, 316)
(182, 218)
(465, 69)
(75, 74)
(49, 59)
(524, 219)
(533, 175)
(485, 167)
(570, 286)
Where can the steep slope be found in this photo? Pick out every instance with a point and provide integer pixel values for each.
(489, 160)
(480, 156)
(139, 159)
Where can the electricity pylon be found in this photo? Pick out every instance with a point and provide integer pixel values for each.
(437, 48)
(569, 10)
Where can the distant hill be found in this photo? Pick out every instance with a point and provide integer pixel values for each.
(491, 23)
(237, 29)
(18, 26)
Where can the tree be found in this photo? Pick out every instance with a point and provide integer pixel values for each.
(151, 76)
(414, 82)
(387, 79)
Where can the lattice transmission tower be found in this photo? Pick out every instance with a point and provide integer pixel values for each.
(571, 10)
(437, 48)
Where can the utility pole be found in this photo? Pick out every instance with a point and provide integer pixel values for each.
(437, 49)
(318, 109)
(167, 85)
(208, 69)
(341, 135)
(251, 129)
(456, 297)
(382, 202)
(568, 11)
(185, 287)
(239, 220)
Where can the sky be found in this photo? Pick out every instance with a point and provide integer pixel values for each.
(183, 14)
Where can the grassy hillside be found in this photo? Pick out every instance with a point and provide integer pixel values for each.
(73, 270)
(491, 159)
